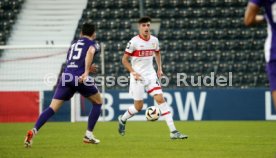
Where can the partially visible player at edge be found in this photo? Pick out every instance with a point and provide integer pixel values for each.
(78, 64)
(141, 49)
(251, 17)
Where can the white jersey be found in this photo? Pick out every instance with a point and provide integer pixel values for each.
(142, 52)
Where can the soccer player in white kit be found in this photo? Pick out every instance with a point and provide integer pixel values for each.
(142, 48)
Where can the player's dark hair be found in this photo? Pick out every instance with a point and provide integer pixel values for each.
(88, 29)
(144, 19)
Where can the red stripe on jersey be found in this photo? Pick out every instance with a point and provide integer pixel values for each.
(153, 89)
(128, 53)
(143, 53)
(129, 112)
(168, 112)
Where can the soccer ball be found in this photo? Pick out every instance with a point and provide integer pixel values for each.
(153, 113)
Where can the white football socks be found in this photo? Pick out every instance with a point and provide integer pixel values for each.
(34, 131)
(165, 112)
(129, 113)
(89, 134)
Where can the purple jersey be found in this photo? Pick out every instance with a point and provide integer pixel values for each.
(270, 14)
(75, 63)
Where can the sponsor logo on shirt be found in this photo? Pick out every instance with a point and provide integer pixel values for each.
(145, 53)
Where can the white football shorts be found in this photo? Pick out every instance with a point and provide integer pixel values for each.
(137, 88)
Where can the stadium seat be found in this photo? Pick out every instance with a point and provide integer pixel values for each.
(260, 34)
(169, 67)
(133, 13)
(107, 3)
(227, 12)
(176, 45)
(225, 67)
(92, 4)
(201, 3)
(196, 36)
(113, 24)
(262, 79)
(256, 56)
(182, 23)
(188, 3)
(188, 45)
(240, 67)
(209, 67)
(241, 56)
(161, 3)
(210, 23)
(9, 10)
(250, 79)
(188, 13)
(196, 67)
(125, 24)
(183, 67)
(214, 55)
(227, 56)
(237, 79)
(254, 67)
(169, 56)
(164, 34)
(133, 3)
(174, 3)
(231, 3)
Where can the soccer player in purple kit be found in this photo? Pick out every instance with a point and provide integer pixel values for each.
(251, 17)
(75, 78)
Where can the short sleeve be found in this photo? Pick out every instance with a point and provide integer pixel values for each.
(157, 49)
(257, 2)
(130, 47)
(97, 47)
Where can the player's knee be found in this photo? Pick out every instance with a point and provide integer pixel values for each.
(98, 102)
(95, 99)
(159, 99)
(139, 108)
(139, 105)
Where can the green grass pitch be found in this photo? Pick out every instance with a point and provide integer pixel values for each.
(207, 139)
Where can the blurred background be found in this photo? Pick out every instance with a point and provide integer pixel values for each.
(196, 37)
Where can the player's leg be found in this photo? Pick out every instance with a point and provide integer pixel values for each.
(48, 113)
(42, 119)
(91, 92)
(62, 93)
(136, 89)
(132, 110)
(93, 117)
(154, 89)
(165, 112)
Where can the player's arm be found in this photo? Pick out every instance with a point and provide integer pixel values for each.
(127, 65)
(88, 61)
(159, 63)
(250, 16)
(93, 68)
